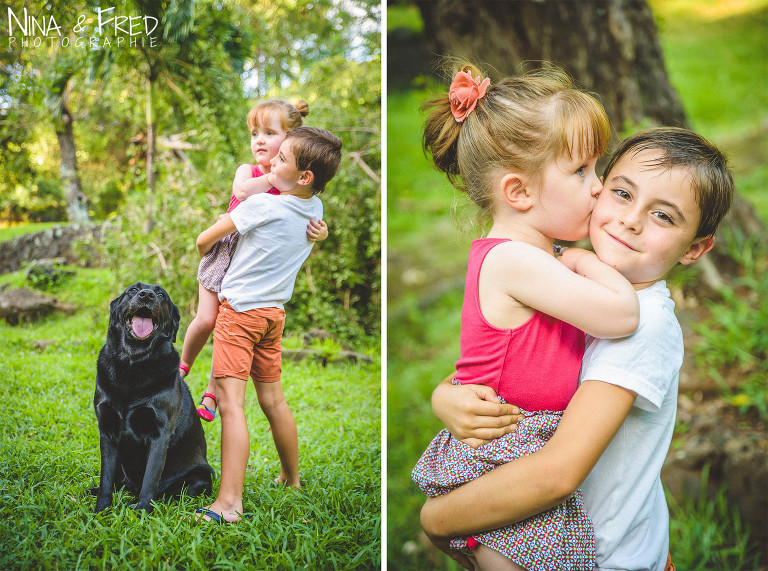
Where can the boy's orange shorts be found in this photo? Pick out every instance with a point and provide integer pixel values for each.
(248, 342)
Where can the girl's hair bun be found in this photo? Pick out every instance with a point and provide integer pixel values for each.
(302, 107)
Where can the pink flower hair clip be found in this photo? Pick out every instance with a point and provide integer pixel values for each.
(464, 93)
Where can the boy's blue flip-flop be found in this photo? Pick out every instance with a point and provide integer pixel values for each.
(216, 517)
(211, 514)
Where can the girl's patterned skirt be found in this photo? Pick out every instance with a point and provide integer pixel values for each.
(559, 538)
(214, 264)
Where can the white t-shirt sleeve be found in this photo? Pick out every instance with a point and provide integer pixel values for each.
(647, 361)
(252, 212)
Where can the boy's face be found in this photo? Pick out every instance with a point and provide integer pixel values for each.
(286, 177)
(645, 219)
(265, 142)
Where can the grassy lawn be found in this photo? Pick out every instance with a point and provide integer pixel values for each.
(50, 449)
(11, 232)
(717, 57)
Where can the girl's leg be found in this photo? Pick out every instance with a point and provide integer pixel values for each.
(272, 402)
(201, 327)
(235, 448)
(197, 336)
(491, 560)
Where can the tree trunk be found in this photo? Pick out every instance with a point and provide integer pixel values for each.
(608, 46)
(77, 203)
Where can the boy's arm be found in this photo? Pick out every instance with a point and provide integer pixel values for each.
(597, 299)
(245, 184)
(537, 482)
(317, 230)
(207, 238)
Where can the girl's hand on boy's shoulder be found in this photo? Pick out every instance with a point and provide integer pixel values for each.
(317, 230)
(571, 257)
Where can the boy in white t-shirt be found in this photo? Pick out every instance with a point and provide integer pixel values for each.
(247, 338)
(665, 192)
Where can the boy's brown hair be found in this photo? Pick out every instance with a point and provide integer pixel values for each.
(316, 150)
(711, 181)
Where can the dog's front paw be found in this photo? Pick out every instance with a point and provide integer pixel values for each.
(102, 503)
(143, 507)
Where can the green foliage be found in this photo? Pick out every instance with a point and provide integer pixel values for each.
(735, 336)
(46, 511)
(404, 15)
(709, 534)
(202, 72)
(47, 278)
(294, 35)
(339, 287)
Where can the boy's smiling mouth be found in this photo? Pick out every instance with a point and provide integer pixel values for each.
(621, 242)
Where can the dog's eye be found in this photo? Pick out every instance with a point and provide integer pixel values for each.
(160, 296)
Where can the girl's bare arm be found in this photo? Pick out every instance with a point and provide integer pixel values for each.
(596, 298)
(245, 184)
(207, 238)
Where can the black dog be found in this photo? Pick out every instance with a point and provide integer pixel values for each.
(151, 439)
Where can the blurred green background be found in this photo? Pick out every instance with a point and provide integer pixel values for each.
(717, 58)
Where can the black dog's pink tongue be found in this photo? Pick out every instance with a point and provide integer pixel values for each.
(142, 326)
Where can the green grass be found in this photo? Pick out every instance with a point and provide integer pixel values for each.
(699, 540)
(49, 445)
(11, 232)
(429, 231)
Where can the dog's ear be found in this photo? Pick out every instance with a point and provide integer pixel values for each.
(175, 318)
(114, 313)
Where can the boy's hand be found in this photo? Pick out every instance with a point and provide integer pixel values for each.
(317, 230)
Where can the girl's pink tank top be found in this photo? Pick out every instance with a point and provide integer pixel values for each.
(534, 366)
(255, 171)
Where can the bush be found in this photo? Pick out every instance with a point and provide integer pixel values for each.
(735, 336)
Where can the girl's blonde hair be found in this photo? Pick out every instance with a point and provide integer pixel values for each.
(520, 124)
(291, 116)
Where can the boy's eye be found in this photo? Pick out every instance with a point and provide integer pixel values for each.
(663, 216)
(622, 194)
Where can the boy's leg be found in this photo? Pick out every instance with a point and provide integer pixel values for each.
(232, 355)
(272, 402)
(235, 447)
